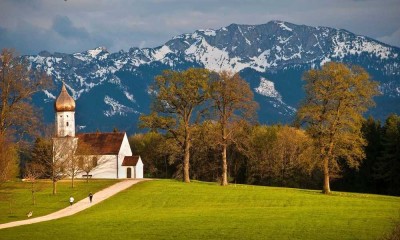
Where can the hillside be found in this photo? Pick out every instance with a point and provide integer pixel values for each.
(168, 209)
(272, 57)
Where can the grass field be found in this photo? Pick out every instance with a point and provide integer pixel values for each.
(167, 209)
(16, 200)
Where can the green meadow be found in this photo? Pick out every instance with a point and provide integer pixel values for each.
(16, 198)
(168, 209)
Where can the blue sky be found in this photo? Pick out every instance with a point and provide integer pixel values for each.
(31, 26)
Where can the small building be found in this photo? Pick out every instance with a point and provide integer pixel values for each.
(110, 153)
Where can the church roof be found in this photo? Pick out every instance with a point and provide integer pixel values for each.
(64, 102)
(100, 143)
(130, 160)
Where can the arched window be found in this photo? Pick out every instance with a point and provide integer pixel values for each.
(67, 124)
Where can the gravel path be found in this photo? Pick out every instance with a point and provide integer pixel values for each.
(78, 206)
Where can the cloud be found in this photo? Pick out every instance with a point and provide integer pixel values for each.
(63, 26)
(392, 39)
(72, 26)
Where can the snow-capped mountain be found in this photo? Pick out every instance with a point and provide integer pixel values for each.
(112, 88)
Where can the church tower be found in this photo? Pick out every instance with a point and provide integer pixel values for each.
(65, 114)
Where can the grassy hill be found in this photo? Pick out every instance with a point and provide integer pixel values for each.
(16, 198)
(168, 209)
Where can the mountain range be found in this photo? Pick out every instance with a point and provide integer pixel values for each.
(112, 89)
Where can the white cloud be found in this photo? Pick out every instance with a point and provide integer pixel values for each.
(121, 24)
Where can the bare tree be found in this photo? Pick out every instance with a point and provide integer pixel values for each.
(32, 172)
(63, 152)
(18, 82)
(87, 161)
(18, 117)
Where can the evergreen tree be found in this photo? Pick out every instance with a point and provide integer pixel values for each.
(388, 165)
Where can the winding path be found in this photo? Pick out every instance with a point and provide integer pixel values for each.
(79, 206)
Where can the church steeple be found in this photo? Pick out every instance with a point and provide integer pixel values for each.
(64, 101)
(65, 114)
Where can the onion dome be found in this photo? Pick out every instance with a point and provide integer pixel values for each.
(64, 102)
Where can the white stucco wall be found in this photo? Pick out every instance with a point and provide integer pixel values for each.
(139, 168)
(125, 150)
(110, 166)
(106, 167)
(65, 124)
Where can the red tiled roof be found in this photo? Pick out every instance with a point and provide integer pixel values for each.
(130, 160)
(101, 143)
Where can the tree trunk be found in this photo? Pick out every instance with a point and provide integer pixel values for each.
(54, 187)
(326, 189)
(87, 177)
(224, 181)
(72, 183)
(186, 158)
(33, 193)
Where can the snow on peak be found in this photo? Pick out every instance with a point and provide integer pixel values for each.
(213, 58)
(208, 32)
(160, 53)
(267, 88)
(283, 26)
(94, 52)
(116, 108)
(344, 45)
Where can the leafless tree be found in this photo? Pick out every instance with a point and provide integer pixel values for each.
(32, 172)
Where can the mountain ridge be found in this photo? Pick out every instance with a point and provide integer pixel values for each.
(270, 56)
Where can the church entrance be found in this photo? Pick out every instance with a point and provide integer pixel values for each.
(128, 173)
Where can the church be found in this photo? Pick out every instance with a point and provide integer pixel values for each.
(110, 153)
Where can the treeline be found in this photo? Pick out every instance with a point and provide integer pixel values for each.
(380, 170)
(276, 155)
(207, 121)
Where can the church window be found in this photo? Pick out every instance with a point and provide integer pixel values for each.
(67, 124)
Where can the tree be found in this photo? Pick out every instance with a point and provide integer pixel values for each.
(63, 151)
(85, 159)
(8, 160)
(18, 117)
(388, 165)
(257, 143)
(205, 158)
(178, 96)
(42, 154)
(18, 82)
(32, 172)
(232, 100)
(292, 151)
(156, 151)
(336, 97)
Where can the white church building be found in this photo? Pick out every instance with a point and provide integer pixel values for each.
(111, 153)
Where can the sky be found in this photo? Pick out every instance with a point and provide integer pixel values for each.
(69, 26)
